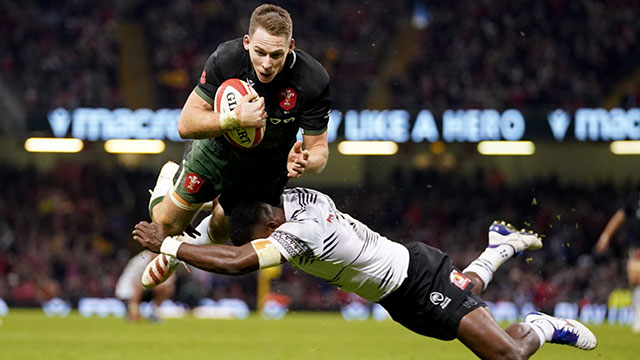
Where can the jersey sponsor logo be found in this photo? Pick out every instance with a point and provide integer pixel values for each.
(276, 121)
(287, 98)
(203, 77)
(439, 300)
(459, 280)
(192, 183)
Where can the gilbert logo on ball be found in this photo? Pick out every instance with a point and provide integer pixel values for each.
(227, 97)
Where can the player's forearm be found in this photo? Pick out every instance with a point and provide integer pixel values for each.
(318, 156)
(221, 259)
(198, 124)
(614, 224)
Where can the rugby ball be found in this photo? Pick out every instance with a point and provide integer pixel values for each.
(227, 97)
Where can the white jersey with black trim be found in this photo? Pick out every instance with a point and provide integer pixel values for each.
(322, 241)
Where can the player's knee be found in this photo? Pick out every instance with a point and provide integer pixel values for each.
(169, 224)
(219, 230)
(173, 220)
(219, 225)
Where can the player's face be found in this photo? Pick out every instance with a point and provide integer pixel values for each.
(270, 220)
(262, 231)
(267, 52)
(266, 226)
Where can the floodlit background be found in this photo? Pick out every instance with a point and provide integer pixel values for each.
(475, 111)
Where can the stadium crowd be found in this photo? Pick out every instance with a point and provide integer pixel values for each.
(556, 53)
(349, 38)
(67, 234)
(60, 54)
(559, 53)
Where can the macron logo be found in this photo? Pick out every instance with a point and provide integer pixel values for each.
(559, 121)
(59, 120)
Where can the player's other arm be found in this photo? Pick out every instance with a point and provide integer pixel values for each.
(312, 159)
(612, 226)
(198, 120)
(318, 148)
(221, 259)
(314, 121)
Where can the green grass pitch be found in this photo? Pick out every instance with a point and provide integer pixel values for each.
(28, 334)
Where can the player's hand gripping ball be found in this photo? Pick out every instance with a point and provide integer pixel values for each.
(227, 97)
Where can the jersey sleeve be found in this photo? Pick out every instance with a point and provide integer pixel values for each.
(210, 79)
(315, 116)
(297, 238)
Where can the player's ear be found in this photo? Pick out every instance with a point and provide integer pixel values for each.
(292, 45)
(246, 40)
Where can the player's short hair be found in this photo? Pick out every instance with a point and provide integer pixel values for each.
(243, 220)
(274, 19)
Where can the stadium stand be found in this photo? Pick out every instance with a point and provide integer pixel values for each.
(496, 55)
(48, 250)
(350, 40)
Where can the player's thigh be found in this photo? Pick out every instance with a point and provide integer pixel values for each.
(480, 332)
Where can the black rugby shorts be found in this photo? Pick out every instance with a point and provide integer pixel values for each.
(434, 297)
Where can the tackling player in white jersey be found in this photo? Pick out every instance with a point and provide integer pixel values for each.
(417, 284)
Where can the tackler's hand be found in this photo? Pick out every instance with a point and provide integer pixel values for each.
(149, 235)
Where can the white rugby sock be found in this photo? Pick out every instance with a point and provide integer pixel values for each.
(540, 331)
(205, 237)
(545, 325)
(489, 261)
(164, 183)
